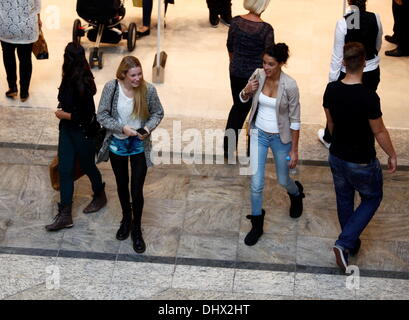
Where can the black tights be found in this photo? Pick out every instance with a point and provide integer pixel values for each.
(138, 173)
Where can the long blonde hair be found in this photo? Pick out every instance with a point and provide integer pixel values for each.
(140, 109)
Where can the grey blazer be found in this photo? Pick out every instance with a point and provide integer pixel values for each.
(288, 102)
(110, 122)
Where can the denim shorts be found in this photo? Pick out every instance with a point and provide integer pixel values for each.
(126, 147)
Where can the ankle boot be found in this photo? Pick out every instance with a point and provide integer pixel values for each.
(125, 227)
(256, 231)
(62, 220)
(296, 207)
(137, 239)
(12, 92)
(99, 200)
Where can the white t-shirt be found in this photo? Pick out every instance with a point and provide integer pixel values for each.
(125, 109)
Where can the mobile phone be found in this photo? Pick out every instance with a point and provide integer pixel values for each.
(141, 131)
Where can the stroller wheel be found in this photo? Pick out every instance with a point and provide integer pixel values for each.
(131, 36)
(100, 64)
(77, 32)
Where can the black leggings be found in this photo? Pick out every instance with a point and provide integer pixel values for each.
(138, 173)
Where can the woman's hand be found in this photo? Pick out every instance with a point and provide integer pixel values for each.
(251, 87)
(294, 159)
(129, 131)
(142, 136)
(62, 115)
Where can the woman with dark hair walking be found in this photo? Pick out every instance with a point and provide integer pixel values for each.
(129, 109)
(77, 134)
(275, 124)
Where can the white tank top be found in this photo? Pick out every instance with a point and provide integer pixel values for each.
(267, 115)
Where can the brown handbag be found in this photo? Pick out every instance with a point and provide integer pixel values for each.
(40, 49)
(55, 177)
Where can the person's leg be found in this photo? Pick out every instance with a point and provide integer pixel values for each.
(294, 189)
(26, 68)
(368, 181)
(404, 36)
(119, 166)
(371, 79)
(225, 12)
(138, 174)
(258, 155)
(280, 152)
(9, 60)
(147, 12)
(237, 114)
(66, 163)
(85, 147)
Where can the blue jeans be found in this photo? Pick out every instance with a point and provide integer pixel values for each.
(260, 141)
(368, 181)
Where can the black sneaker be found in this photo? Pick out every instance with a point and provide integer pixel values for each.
(341, 257)
(214, 19)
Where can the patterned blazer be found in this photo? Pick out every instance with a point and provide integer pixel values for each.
(110, 122)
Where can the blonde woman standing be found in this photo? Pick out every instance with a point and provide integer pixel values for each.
(129, 109)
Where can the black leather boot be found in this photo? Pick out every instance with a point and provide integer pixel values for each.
(62, 220)
(137, 239)
(99, 200)
(296, 207)
(125, 227)
(256, 231)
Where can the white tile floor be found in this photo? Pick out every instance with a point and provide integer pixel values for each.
(196, 76)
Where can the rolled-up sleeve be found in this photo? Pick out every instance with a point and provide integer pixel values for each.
(294, 106)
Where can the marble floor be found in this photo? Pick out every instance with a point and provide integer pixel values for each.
(194, 225)
(194, 216)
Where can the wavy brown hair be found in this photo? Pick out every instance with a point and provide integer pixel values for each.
(140, 109)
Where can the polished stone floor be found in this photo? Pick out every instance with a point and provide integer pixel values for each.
(194, 225)
(194, 216)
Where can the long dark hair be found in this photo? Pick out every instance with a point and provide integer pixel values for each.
(76, 71)
(361, 4)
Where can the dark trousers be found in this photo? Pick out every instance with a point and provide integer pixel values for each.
(25, 67)
(401, 25)
(238, 112)
(73, 144)
(138, 173)
(367, 180)
(370, 79)
(222, 7)
(147, 12)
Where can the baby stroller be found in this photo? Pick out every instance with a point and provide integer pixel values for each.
(104, 25)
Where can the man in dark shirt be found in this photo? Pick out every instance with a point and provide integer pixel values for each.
(355, 120)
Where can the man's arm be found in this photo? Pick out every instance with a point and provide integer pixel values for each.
(382, 136)
(330, 123)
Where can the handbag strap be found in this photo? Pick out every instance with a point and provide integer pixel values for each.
(113, 95)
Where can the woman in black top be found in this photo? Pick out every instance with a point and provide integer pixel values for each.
(77, 131)
(248, 37)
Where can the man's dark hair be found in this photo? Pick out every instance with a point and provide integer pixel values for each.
(361, 4)
(354, 56)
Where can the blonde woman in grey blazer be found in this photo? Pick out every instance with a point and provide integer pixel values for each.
(129, 109)
(275, 123)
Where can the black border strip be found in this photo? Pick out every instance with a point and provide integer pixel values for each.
(241, 265)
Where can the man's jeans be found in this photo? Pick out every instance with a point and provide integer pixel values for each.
(260, 141)
(368, 181)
